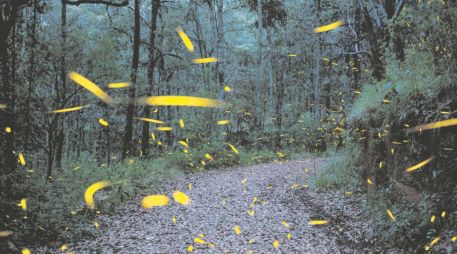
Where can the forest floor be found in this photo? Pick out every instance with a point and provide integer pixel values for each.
(221, 200)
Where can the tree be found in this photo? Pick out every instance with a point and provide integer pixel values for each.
(150, 75)
(8, 16)
(127, 147)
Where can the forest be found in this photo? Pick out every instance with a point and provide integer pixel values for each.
(228, 126)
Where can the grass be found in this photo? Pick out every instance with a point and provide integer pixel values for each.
(339, 172)
(411, 220)
(56, 210)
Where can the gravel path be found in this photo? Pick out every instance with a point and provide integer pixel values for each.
(221, 200)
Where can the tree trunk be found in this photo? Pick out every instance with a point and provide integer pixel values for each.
(317, 70)
(259, 92)
(220, 46)
(151, 64)
(63, 79)
(127, 148)
(31, 77)
(271, 83)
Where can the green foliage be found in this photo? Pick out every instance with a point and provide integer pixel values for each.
(418, 92)
(369, 100)
(415, 75)
(411, 220)
(56, 208)
(339, 171)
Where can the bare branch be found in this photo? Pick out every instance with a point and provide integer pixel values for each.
(399, 6)
(107, 3)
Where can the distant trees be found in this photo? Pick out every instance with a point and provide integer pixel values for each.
(267, 52)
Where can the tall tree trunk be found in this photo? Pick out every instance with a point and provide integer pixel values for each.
(220, 46)
(31, 76)
(259, 92)
(151, 64)
(392, 10)
(317, 70)
(356, 58)
(63, 79)
(271, 83)
(376, 50)
(127, 147)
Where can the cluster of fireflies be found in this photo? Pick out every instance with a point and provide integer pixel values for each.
(162, 200)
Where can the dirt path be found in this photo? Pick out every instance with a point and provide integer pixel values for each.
(221, 200)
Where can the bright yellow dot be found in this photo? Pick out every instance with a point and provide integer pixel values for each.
(204, 60)
(317, 222)
(199, 240)
(7, 129)
(443, 214)
(181, 198)
(454, 238)
(434, 241)
(227, 89)
(432, 219)
(25, 251)
(154, 200)
(21, 159)
(103, 122)
(391, 215)
(23, 204)
(276, 244)
(237, 230)
(285, 224)
(223, 122)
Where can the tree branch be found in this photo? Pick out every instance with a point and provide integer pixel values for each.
(107, 3)
(399, 6)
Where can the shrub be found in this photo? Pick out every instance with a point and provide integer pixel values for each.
(339, 171)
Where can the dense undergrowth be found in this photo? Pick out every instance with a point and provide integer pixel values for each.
(423, 202)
